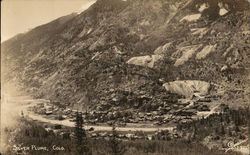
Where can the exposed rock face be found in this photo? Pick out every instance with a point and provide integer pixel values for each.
(205, 51)
(199, 31)
(163, 49)
(190, 18)
(186, 53)
(145, 61)
(188, 88)
(150, 61)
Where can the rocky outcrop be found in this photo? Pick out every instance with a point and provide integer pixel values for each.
(190, 18)
(145, 61)
(163, 49)
(205, 51)
(188, 88)
(150, 61)
(186, 53)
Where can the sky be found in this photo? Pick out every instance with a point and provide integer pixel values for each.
(19, 16)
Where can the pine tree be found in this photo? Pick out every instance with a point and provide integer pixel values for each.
(228, 119)
(116, 148)
(222, 130)
(194, 131)
(80, 136)
(248, 120)
(237, 128)
(22, 114)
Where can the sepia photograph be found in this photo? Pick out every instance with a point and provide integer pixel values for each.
(125, 77)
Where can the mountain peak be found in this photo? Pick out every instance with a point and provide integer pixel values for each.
(108, 5)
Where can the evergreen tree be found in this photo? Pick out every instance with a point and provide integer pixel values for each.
(202, 121)
(228, 119)
(194, 131)
(222, 130)
(237, 128)
(80, 136)
(22, 114)
(116, 148)
(248, 120)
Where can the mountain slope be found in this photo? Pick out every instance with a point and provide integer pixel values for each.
(81, 60)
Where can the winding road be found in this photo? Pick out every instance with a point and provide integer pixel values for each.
(23, 103)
